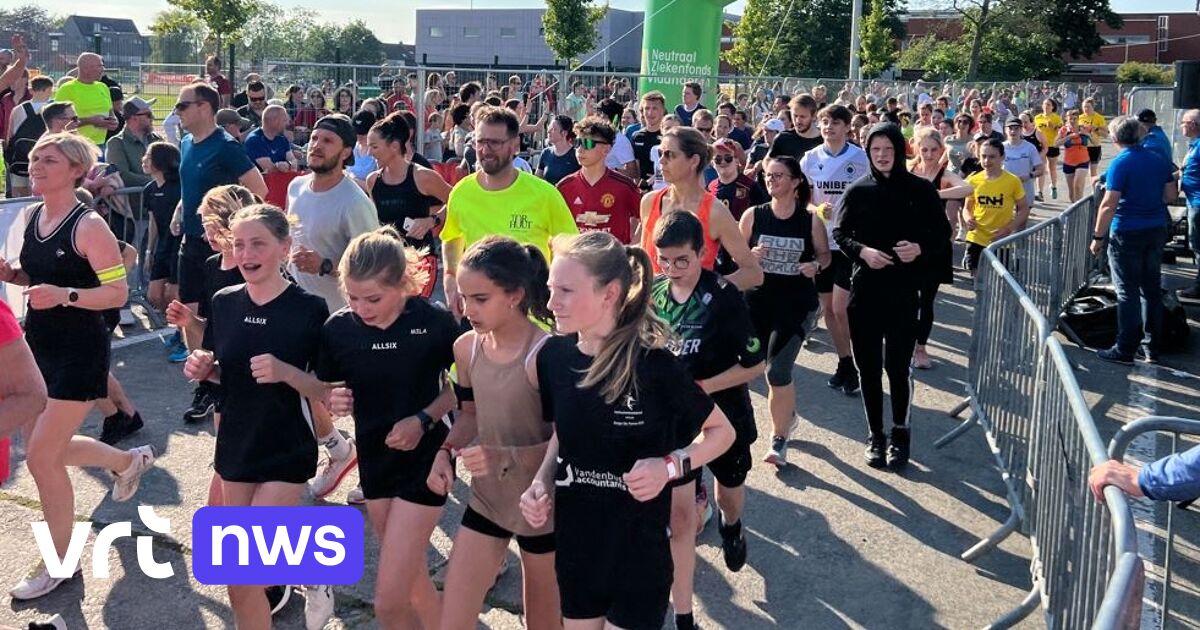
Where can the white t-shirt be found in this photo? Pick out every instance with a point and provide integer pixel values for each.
(830, 175)
(1020, 161)
(326, 223)
(621, 153)
(172, 128)
(660, 182)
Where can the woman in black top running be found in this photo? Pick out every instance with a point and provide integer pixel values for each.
(407, 196)
(783, 239)
(619, 400)
(392, 348)
(890, 222)
(259, 343)
(72, 268)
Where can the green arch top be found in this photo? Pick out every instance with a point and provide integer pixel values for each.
(681, 41)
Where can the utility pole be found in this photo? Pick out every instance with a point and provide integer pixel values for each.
(855, 40)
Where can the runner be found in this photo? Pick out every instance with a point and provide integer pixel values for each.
(685, 153)
(939, 262)
(407, 196)
(262, 334)
(558, 158)
(392, 350)
(1030, 133)
(1022, 158)
(792, 247)
(71, 275)
(1074, 143)
(600, 198)
(609, 380)
(802, 136)
(499, 199)
(889, 221)
(731, 186)
(1093, 124)
(958, 147)
(1048, 123)
(499, 432)
(691, 94)
(160, 197)
(996, 208)
(654, 107)
(830, 169)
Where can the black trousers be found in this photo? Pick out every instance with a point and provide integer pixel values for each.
(882, 333)
(929, 291)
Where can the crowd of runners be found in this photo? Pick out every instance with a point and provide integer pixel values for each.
(570, 308)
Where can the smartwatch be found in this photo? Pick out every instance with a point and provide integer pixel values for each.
(72, 296)
(685, 461)
(326, 267)
(427, 421)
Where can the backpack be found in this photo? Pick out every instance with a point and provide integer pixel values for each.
(16, 152)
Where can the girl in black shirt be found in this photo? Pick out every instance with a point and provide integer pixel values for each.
(619, 400)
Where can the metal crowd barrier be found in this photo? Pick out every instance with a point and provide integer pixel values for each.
(1023, 394)
(1116, 450)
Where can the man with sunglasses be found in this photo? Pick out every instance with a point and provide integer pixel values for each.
(600, 198)
(126, 149)
(256, 97)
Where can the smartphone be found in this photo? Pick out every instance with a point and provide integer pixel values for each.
(408, 223)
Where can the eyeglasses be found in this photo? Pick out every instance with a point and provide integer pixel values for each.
(183, 105)
(722, 159)
(587, 143)
(680, 263)
(490, 143)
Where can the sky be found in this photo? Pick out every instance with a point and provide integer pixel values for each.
(401, 25)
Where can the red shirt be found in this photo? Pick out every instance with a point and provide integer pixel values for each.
(610, 206)
(221, 85)
(9, 328)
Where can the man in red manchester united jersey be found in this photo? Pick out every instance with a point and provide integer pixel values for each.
(599, 197)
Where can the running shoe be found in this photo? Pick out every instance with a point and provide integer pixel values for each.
(839, 377)
(1112, 355)
(179, 353)
(355, 497)
(202, 404)
(318, 606)
(703, 507)
(897, 452)
(733, 544)
(1053, 192)
(54, 623)
(173, 340)
(850, 381)
(777, 455)
(126, 483)
(876, 454)
(119, 426)
(277, 597)
(39, 583)
(1146, 354)
(331, 473)
(1038, 197)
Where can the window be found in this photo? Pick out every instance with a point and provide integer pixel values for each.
(508, 32)
(95, 27)
(1126, 39)
(1161, 34)
(54, 45)
(471, 32)
(436, 31)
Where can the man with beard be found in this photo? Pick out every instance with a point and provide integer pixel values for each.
(499, 199)
(804, 135)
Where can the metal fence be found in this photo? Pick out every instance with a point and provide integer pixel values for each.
(1160, 100)
(1023, 394)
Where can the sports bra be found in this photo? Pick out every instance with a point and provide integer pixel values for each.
(711, 246)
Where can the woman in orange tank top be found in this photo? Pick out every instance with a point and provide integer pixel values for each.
(685, 153)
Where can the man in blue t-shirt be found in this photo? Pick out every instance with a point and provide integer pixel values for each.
(267, 146)
(1189, 184)
(1133, 218)
(1155, 139)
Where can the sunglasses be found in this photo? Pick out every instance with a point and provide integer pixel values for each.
(183, 105)
(257, 99)
(587, 143)
(723, 159)
(704, 129)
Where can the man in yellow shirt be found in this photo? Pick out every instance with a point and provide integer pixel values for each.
(1092, 123)
(499, 199)
(91, 97)
(996, 208)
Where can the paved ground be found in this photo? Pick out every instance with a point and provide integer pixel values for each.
(833, 544)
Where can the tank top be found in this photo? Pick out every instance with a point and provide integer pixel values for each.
(787, 243)
(1033, 139)
(957, 149)
(54, 260)
(941, 264)
(704, 213)
(514, 433)
(396, 202)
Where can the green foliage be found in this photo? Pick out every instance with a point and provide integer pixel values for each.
(570, 27)
(1144, 73)
(178, 37)
(224, 18)
(1073, 22)
(879, 50)
(276, 33)
(30, 20)
(1008, 52)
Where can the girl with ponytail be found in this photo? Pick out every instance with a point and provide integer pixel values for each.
(619, 400)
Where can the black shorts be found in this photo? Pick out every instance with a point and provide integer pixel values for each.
(74, 363)
(1069, 169)
(836, 274)
(387, 473)
(166, 260)
(1051, 152)
(190, 272)
(479, 523)
(628, 608)
(974, 253)
(1094, 154)
(731, 467)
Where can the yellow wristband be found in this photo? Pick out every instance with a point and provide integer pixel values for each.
(112, 274)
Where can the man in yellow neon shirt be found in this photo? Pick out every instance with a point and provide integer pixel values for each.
(997, 207)
(91, 97)
(499, 199)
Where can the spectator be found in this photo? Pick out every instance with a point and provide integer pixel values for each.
(1189, 184)
(125, 150)
(91, 97)
(558, 158)
(25, 126)
(10, 100)
(241, 99)
(234, 124)
(363, 163)
(303, 121)
(223, 86)
(434, 146)
(59, 117)
(620, 156)
(118, 104)
(268, 147)
(256, 95)
(463, 122)
(577, 101)
(1173, 478)
(1133, 218)
(343, 102)
(13, 63)
(293, 102)
(1155, 138)
(691, 102)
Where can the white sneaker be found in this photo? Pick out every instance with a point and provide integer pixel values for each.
(318, 606)
(38, 583)
(332, 472)
(356, 496)
(126, 483)
(54, 623)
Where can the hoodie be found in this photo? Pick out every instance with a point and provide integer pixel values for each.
(883, 209)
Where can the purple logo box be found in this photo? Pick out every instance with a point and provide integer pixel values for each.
(277, 545)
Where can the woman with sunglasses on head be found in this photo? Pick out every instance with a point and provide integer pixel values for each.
(619, 401)
(558, 158)
(684, 153)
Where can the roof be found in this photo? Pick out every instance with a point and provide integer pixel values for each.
(87, 25)
(404, 53)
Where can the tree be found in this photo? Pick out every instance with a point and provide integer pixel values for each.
(978, 16)
(224, 18)
(29, 20)
(1074, 23)
(276, 33)
(1144, 73)
(178, 37)
(359, 45)
(1008, 51)
(570, 27)
(878, 48)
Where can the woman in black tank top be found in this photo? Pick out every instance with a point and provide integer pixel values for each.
(73, 270)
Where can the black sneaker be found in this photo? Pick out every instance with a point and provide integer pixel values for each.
(876, 454)
(733, 544)
(120, 426)
(897, 452)
(844, 367)
(850, 381)
(277, 597)
(202, 405)
(1112, 355)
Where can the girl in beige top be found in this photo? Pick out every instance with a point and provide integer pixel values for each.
(503, 288)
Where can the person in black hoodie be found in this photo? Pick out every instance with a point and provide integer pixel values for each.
(888, 220)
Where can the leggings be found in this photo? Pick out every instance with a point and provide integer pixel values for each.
(882, 336)
(928, 294)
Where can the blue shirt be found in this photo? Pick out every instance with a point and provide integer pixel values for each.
(217, 160)
(275, 149)
(1189, 180)
(557, 166)
(1156, 140)
(632, 129)
(1172, 478)
(1139, 174)
(742, 136)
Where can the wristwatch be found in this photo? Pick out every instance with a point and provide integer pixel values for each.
(1098, 238)
(72, 297)
(427, 421)
(326, 267)
(685, 461)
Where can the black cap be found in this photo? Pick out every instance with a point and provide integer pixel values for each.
(1147, 116)
(340, 124)
(1012, 122)
(363, 120)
